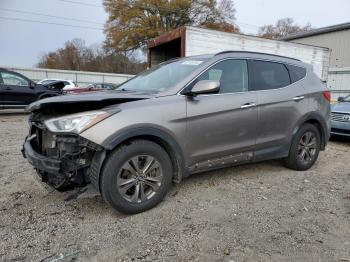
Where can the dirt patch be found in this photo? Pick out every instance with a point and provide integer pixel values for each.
(254, 212)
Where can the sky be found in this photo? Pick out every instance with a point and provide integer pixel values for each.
(22, 43)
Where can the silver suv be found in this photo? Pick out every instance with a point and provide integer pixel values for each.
(181, 117)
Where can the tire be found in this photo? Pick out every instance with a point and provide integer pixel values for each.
(131, 182)
(308, 138)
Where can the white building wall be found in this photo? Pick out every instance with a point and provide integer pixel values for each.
(205, 41)
(79, 77)
(338, 42)
(339, 72)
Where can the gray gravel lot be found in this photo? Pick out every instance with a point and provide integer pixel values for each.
(258, 212)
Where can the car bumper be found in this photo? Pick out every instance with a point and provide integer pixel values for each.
(340, 128)
(70, 161)
(40, 162)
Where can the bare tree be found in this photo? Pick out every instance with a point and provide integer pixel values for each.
(282, 28)
(75, 55)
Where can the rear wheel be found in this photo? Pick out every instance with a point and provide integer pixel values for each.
(136, 177)
(304, 149)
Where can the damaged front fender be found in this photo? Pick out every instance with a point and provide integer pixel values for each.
(60, 160)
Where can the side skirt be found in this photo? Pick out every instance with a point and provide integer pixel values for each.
(221, 162)
(270, 153)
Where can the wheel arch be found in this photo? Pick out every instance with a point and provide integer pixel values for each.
(318, 121)
(160, 137)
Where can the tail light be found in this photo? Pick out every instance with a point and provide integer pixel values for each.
(327, 95)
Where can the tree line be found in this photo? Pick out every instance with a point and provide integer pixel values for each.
(131, 23)
(75, 55)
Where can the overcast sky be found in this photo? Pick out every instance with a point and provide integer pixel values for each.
(23, 42)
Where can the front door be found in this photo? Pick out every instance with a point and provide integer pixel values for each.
(16, 90)
(222, 127)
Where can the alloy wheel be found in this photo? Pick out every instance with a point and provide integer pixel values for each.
(307, 147)
(140, 178)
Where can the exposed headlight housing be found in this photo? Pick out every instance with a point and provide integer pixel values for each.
(76, 123)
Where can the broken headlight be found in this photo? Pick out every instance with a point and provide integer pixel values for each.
(76, 123)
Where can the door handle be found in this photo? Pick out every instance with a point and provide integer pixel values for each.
(8, 88)
(298, 98)
(248, 105)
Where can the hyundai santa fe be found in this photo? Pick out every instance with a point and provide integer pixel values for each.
(181, 117)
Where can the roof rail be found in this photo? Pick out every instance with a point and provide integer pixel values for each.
(258, 53)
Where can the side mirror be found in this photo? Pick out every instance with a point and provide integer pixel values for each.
(205, 87)
(32, 84)
(341, 99)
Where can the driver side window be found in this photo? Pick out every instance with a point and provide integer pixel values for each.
(13, 80)
(232, 75)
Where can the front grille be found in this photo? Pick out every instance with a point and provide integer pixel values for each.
(340, 117)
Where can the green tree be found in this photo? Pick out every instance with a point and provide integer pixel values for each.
(131, 23)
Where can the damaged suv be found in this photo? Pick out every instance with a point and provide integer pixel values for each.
(181, 117)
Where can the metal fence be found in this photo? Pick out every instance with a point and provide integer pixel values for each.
(79, 77)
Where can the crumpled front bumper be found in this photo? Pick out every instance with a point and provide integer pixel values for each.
(64, 161)
(40, 162)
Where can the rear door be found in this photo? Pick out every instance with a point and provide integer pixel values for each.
(222, 127)
(281, 104)
(16, 89)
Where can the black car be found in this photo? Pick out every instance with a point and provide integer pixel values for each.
(18, 91)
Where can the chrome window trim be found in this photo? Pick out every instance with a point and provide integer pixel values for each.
(243, 58)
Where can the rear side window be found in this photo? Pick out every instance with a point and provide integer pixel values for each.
(270, 75)
(296, 72)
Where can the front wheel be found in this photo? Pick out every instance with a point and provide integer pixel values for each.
(136, 177)
(304, 149)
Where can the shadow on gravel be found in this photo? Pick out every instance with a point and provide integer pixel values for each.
(235, 171)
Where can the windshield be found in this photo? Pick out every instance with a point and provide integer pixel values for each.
(346, 99)
(163, 76)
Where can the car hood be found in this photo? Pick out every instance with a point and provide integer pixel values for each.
(343, 107)
(87, 101)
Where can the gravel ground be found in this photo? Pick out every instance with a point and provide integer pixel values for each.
(258, 212)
